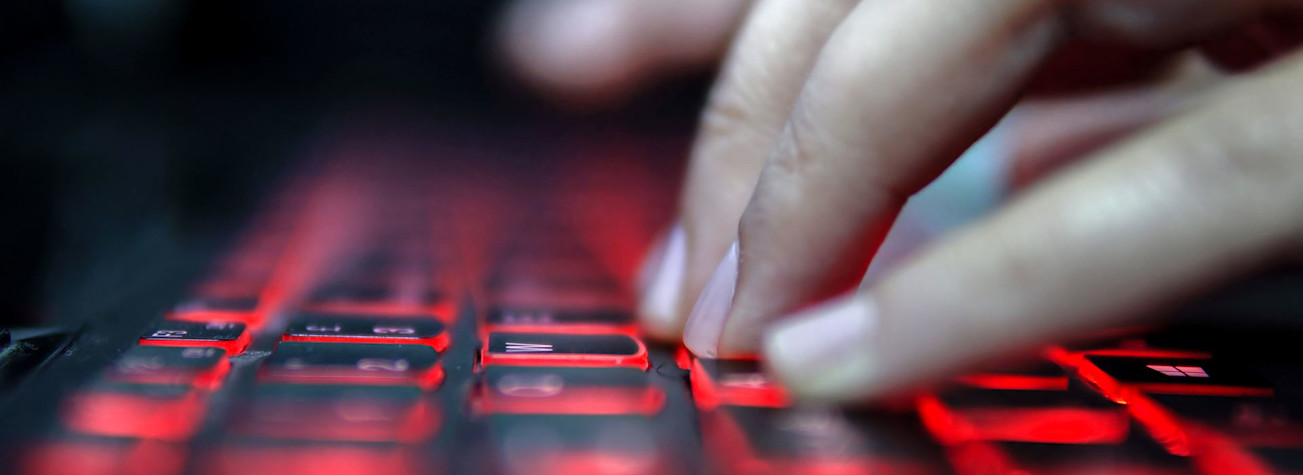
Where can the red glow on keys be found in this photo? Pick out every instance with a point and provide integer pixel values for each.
(102, 457)
(208, 380)
(1161, 424)
(351, 420)
(754, 389)
(1217, 454)
(683, 358)
(573, 462)
(439, 342)
(1058, 425)
(428, 379)
(134, 415)
(572, 401)
(253, 320)
(311, 460)
(1014, 382)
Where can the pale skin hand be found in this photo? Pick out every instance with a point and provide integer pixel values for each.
(828, 115)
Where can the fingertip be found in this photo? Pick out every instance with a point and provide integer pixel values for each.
(705, 324)
(826, 353)
(573, 50)
(659, 295)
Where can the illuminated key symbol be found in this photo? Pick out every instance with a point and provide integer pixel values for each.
(745, 380)
(139, 365)
(386, 330)
(1179, 371)
(513, 347)
(381, 364)
(323, 328)
(198, 352)
(524, 385)
(169, 334)
(527, 318)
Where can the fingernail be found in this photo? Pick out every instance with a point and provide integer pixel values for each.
(662, 277)
(706, 322)
(821, 352)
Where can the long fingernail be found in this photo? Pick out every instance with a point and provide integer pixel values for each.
(822, 352)
(662, 278)
(706, 323)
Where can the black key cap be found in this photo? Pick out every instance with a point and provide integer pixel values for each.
(734, 382)
(562, 390)
(353, 363)
(817, 440)
(1250, 421)
(554, 349)
(1191, 376)
(1074, 416)
(567, 444)
(204, 368)
(1137, 454)
(145, 411)
(337, 413)
(1019, 375)
(321, 327)
(229, 336)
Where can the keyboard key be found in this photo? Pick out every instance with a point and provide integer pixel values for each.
(765, 440)
(229, 336)
(1204, 376)
(1018, 375)
(101, 456)
(561, 390)
(737, 382)
(353, 363)
(337, 413)
(1250, 421)
(319, 327)
(1136, 455)
(381, 298)
(539, 320)
(568, 444)
(554, 349)
(313, 459)
(204, 368)
(171, 412)
(1039, 416)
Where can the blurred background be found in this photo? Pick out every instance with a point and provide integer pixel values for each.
(136, 133)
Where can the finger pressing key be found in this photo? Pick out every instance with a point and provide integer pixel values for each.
(1202, 199)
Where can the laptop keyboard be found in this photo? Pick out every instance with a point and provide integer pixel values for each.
(394, 354)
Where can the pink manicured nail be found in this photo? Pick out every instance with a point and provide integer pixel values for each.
(661, 283)
(809, 350)
(706, 323)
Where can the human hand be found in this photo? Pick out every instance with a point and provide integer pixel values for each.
(827, 116)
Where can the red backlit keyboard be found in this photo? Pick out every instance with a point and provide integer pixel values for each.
(405, 340)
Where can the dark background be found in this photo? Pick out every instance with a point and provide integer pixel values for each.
(136, 133)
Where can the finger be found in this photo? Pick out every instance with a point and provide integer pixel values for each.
(748, 105)
(591, 52)
(1190, 203)
(900, 90)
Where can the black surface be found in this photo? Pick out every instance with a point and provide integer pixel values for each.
(176, 330)
(561, 344)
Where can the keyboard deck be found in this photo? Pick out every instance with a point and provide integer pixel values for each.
(363, 325)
